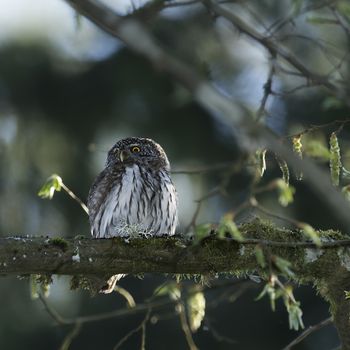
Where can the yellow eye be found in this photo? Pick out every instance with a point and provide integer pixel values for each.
(135, 149)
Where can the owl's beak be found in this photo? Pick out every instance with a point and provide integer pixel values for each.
(123, 155)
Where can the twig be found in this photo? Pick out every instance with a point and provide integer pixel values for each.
(267, 88)
(67, 341)
(271, 46)
(141, 327)
(308, 331)
(185, 326)
(219, 337)
(53, 313)
(313, 128)
(126, 294)
(76, 198)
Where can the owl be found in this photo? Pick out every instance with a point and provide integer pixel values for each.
(133, 194)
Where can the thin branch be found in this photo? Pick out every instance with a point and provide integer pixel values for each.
(141, 327)
(313, 128)
(185, 326)
(67, 341)
(76, 198)
(267, 89)
(53, 313)
(273, 47)
(309, 331)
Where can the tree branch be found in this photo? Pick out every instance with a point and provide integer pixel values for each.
(327, 267)
(34, 255)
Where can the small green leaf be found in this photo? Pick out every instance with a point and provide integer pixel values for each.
(228, 226)
(335, 160)
(52, 184)
(202, 231)
(261, 161)
(283, 265)
(347, 294)
(259, 254)
(196, 310)
(294, 315)
(298, 150)
(286, 193)
(269, 290)
(310, 233)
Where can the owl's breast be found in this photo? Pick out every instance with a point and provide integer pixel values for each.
(140, 201)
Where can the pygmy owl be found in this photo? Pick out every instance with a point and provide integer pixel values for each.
(133, 194)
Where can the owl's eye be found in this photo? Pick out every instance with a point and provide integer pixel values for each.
(135, 149)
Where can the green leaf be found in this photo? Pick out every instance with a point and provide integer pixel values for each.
(52, 184)
(335, 160)
(298, 150)
(261, 160)
(202, 231)
(310, 233)
(283, 265)
(228, 226)
(259, 254)
(347, 294)
(269, 290)
(195, 310)
(286, 193)
(294, 315)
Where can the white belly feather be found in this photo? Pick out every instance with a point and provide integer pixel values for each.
(135, 206)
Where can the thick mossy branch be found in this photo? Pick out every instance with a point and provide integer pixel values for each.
(75, 256)
(327, 267)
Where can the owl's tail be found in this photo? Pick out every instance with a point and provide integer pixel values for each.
(110, 284)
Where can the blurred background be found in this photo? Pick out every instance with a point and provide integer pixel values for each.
(68, 92)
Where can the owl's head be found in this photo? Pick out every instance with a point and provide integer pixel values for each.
(137, 150)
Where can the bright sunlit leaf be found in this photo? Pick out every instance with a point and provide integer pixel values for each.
(228, 226)
(259, 254)
(298, 150)
(310, 233)
(52, 184)
(283, 265)
(286, 193)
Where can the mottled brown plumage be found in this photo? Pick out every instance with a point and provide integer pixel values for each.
(134, 194)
